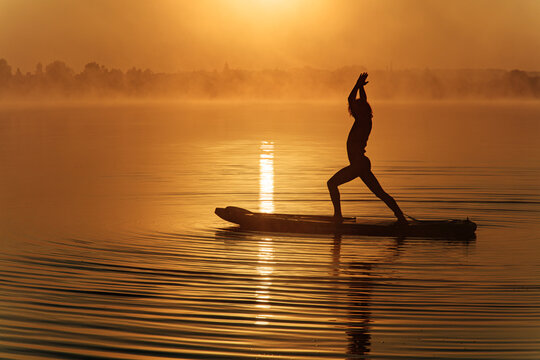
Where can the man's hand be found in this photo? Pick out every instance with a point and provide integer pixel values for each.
(362, 79)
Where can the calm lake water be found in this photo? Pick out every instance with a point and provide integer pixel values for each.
(111, 250)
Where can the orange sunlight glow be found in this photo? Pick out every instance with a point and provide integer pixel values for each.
(268, 34)
(276, 6)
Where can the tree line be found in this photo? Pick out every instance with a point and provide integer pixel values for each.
(58, 80)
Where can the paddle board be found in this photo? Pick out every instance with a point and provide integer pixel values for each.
(319, 224)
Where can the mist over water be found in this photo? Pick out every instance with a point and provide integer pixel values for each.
(58, 81)
(110, 248)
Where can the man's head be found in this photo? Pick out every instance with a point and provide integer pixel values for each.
(360, 108)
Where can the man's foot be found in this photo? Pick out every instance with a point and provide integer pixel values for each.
(338, 219)
(401, 220)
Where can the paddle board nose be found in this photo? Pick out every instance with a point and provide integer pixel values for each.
(231, 212)
(223, 213)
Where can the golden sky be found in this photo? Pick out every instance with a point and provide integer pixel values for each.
(171, 35)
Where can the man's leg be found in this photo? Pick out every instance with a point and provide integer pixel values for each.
(373, 184)
(341, 177)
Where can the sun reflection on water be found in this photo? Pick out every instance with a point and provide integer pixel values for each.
(266, 177)
(265, 270)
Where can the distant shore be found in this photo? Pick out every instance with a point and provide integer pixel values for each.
(57, 81)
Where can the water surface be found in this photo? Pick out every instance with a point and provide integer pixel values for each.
(110, 248)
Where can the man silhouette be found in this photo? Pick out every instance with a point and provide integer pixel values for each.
(360, 165)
